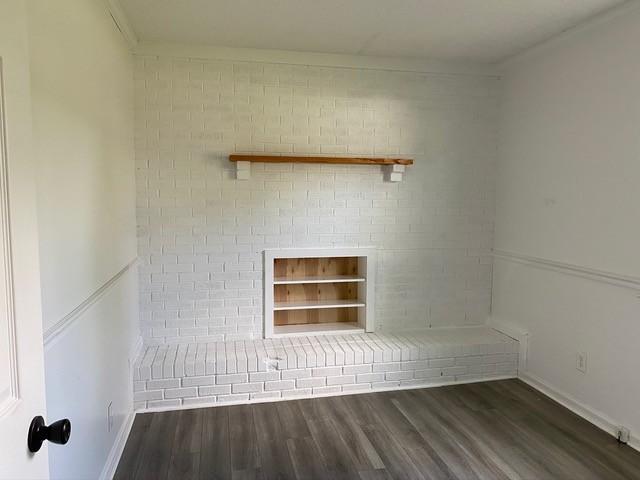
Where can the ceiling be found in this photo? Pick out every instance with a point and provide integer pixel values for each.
(457, 30)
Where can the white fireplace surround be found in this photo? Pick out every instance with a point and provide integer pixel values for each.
(354, 311)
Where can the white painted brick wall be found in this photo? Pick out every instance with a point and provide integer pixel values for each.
(201, 232)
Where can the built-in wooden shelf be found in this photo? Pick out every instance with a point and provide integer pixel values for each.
(336, 279)
(396, 166)
(316, 304)
(335, 328)
(315, 291)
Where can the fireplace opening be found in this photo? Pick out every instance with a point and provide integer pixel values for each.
(328, 292)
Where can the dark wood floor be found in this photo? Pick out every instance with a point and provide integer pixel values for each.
(492, 430)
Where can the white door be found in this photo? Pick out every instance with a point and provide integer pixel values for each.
(21, 350)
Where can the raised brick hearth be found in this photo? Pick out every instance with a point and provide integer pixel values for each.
(169, 376)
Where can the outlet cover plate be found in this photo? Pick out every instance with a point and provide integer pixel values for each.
(581, 362)
(110, 416)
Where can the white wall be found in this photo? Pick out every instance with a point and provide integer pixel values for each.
(567, 192)
(86, 368)
(202, 232)
(82, 90)
(83, 103)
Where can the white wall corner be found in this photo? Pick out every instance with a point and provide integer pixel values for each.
(625, 8)
(122, 22)
(517, 333)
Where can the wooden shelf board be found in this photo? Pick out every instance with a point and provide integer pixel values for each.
(334, 279)
(337, 328)
(333, 160)
(314, 304)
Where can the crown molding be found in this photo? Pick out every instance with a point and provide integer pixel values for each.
(288, 57)
(122, 22)
(593, 22)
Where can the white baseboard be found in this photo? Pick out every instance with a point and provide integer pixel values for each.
(598, 419)
(121, 439)
(113, 459)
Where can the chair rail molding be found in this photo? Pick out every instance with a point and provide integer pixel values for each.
(65, 322)
(603, 276)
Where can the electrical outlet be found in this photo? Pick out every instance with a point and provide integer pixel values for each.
(109, 416)
(581, 362)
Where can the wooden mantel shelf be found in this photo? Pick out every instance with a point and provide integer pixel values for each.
(334, 160)
(243, 163)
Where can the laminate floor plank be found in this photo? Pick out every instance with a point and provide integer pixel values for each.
(363, 454)
(156, 455)
(501, 430)
(485, 461)
(306, 458)
(134, 446)
(313, 409)
(362, 411)
(248, 474)
(538, 436)
(559, 444)
(427, 444)
(469, 396)
(245, 456)
(394, 458)
(441, 446)
(292, 420)
(393, 420)
(335, 453)
(185, 456)
(599, 451)
(275, 461)
(215, 452)
(522, 460)
(374, 475)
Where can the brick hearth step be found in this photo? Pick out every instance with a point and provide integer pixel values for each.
(167, 376)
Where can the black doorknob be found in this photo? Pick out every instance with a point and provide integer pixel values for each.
(58, 432)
